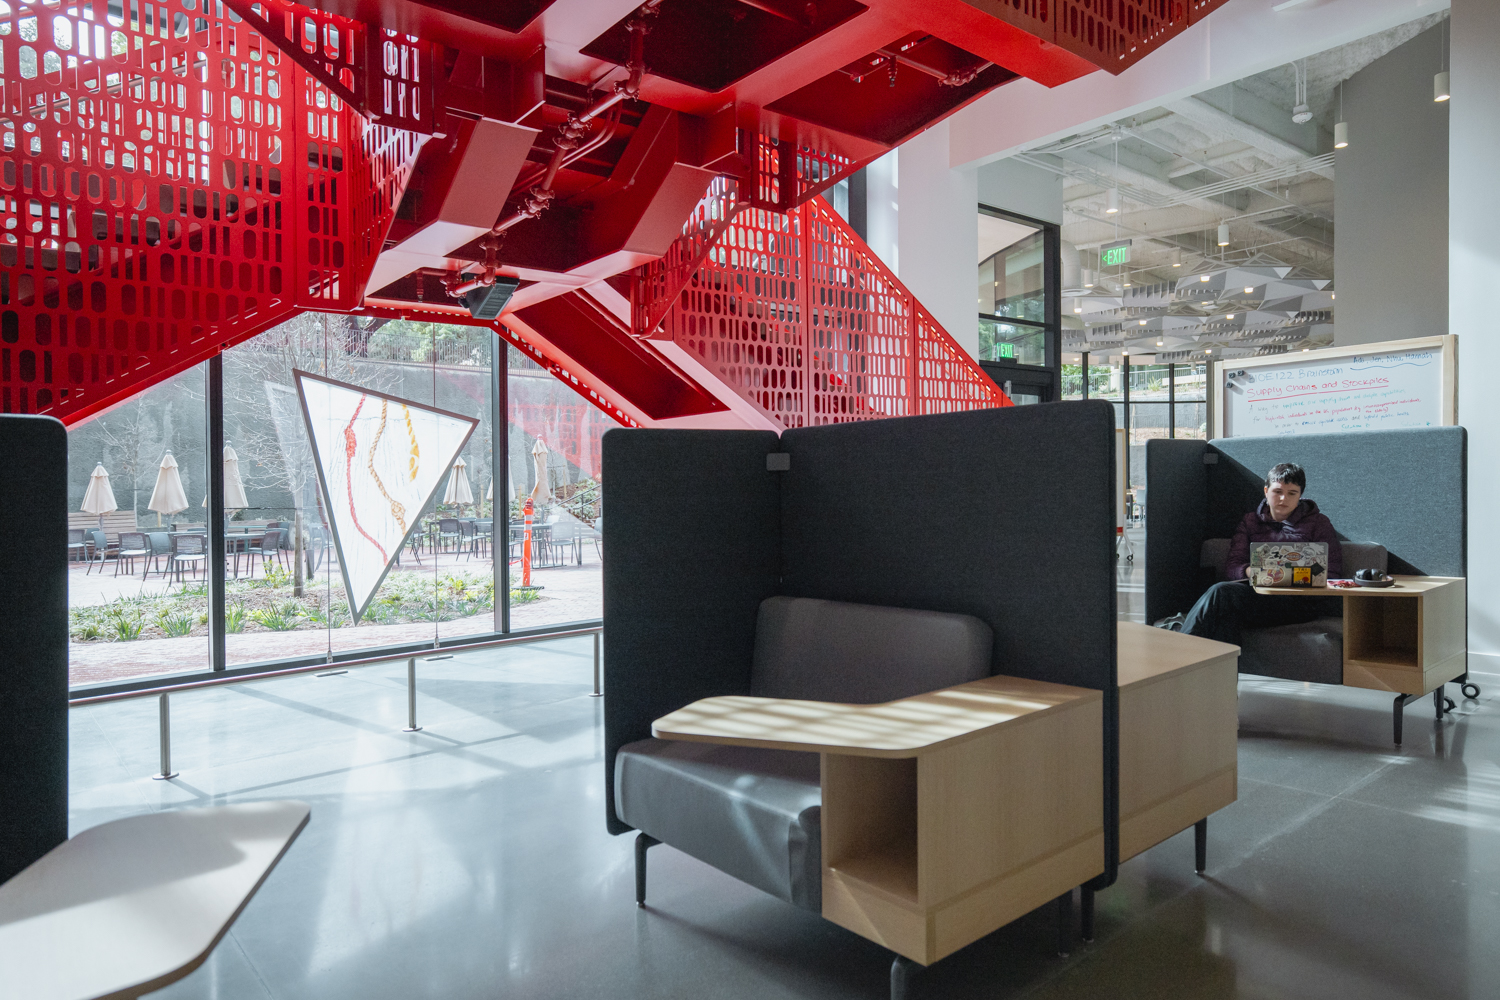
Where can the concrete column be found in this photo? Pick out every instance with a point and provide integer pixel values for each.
(882, 211)
(1391, 199)
(1474, 274)
(938, 238)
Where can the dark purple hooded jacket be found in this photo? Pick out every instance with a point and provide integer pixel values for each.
(1305, 524)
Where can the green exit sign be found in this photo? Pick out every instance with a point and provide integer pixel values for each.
(1113, 254)
(1007, 350)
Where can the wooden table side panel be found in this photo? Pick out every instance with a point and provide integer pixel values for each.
(996, 804)
(988, 907)
(1176, 732)
(1152, 824)
(1443, 624)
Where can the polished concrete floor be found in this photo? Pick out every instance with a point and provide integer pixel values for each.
(470, 860)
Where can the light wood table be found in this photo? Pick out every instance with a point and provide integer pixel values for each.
(1179, 727)
(1410, 638)
(128, 907)
(946, 815)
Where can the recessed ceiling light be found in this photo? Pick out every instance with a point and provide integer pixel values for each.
(1143, 322)
(1202, 277)
(1249, 290)
(1231, 315)
(1158, 343)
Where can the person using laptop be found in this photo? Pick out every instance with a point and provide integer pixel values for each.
(1282, 517)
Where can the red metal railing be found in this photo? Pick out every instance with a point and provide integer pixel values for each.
(801, 318)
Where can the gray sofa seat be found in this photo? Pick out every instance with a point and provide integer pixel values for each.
(756, 814)
(1310, 651)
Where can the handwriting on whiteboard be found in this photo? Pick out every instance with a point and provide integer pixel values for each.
(1359, 393)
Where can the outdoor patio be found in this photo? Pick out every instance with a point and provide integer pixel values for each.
(568, 593)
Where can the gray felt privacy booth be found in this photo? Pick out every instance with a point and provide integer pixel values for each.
(855, 562)
(33, 640)
(1398, 498)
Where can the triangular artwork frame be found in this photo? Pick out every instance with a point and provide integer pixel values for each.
(354, 556)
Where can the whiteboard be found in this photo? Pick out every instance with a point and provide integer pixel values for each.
(1366, 388)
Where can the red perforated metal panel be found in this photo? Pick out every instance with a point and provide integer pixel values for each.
(796, 314)
(171, 184)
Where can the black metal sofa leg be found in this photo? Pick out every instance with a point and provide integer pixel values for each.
(903, 971)
(1086, 904)
(1200, 845)
(643, 843)
(1398, 714)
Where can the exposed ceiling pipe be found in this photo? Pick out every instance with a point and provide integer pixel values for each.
(565, 148)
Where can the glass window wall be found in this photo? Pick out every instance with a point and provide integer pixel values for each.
(138, 569)
(139, 589)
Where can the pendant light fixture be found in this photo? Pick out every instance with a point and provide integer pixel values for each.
(1177, 257)
(1223, 234)
(1112, 202)
(1440, 88)
(1341, 130)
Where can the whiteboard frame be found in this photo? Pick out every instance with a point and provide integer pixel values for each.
(1448, 350)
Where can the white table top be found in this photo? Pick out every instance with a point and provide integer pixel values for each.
(128, 907)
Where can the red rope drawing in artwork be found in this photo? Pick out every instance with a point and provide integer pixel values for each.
(351, 446)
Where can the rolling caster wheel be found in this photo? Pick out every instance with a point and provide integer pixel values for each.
(1449, 705)
(1470, 690)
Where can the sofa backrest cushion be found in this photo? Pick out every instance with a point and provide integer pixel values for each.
(861, 653)
(1357, 555)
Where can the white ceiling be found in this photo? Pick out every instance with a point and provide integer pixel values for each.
(996, 234)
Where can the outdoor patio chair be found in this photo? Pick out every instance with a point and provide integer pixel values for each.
(448, 531)
(189, 550)
(133, 545)
(268, 549)
(161, 552)
(77, 545)
(98, 549)
(566, 540)
(483, 530)
(466, 537)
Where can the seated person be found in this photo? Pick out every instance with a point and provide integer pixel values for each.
(1283, 516)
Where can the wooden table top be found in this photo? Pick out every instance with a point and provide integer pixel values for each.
(903, 728)
(128, 907)
(1405, 586)
(1146, 652)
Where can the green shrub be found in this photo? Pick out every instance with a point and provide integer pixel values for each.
(125, 626)
(176, 624)
(281, 616)
(234, 618)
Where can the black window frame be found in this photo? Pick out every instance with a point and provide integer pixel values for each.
(1046, 377)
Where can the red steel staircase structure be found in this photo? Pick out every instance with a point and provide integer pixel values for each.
(178, 177)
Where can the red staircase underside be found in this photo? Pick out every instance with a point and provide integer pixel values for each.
(177, 178)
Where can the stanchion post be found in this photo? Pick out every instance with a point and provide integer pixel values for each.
(164, 717)
(597, 692)
(411, 697)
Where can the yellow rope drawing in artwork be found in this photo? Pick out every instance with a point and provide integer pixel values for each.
(416, 454)
(398, 511)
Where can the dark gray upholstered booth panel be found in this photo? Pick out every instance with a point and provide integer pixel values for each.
(754, 813)
(1403, 489)
(1006, 515)
(831, 651)
(1176, 524)
(691, 543)
(33, 640)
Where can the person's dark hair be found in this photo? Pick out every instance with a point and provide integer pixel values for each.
(1286, 472)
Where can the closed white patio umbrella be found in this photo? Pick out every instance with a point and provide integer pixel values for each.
(168, 496)
(234, 489)
(542, 491)
(458, 485)
(99, 498)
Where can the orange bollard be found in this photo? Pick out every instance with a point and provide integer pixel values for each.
(528, 509)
